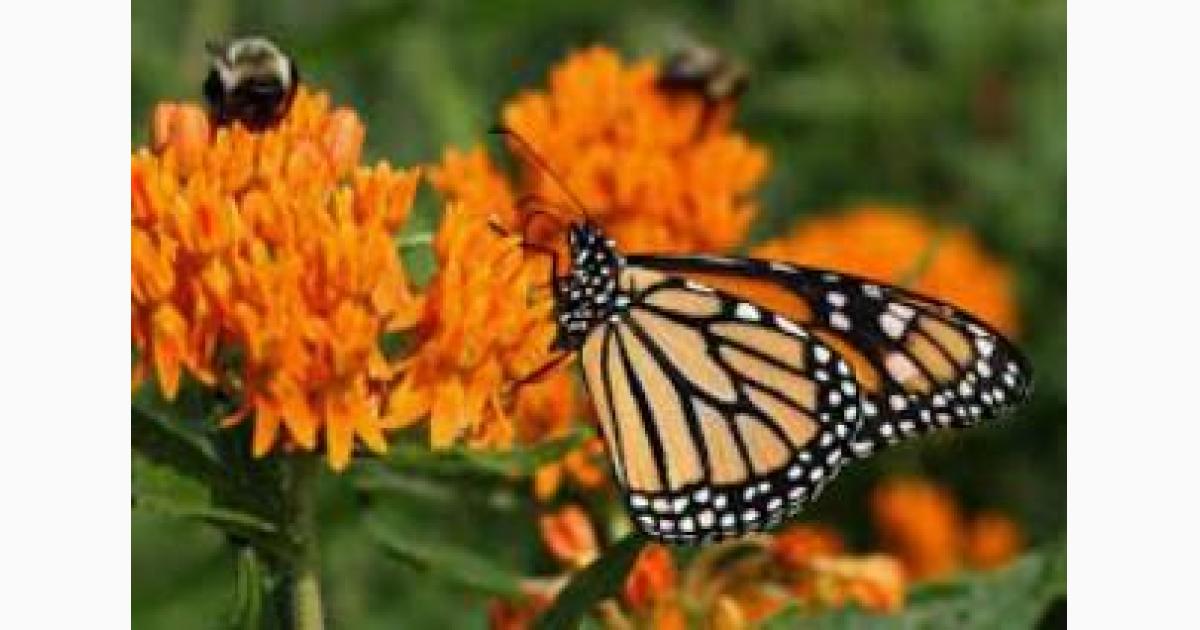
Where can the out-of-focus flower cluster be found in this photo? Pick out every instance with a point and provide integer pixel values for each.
(263, 265)
(921, 524)
(806, 567)
(898, 246)
(657, 172)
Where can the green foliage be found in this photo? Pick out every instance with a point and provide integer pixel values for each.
(601, 579)
(460, 567)
(408, 457)
(246, 610)
(956, 108)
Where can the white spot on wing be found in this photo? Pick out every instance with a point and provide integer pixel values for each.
(787, 326)
(892, 325)
(746, 311)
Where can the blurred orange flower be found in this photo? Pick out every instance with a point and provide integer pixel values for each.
(992, 540)
(652, 578)
(276, 249)
(506, 614)
(893, 244)
(920, 523)
(795, 547)
(585, 467)
(569, 536)
(645, 164)
(876, 582)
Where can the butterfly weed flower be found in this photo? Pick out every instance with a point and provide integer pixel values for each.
(486, 322)
(874, 582)
(795, 547)
(642, 159)
(277, 247)
(569, 536)
(735, 584)
(991, 540)
(920, 523)
(896, 245)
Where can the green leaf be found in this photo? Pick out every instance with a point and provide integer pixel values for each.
(161, 489)
(452, 563)
(410, 457)
(600, 580)
(247, 607)
(1013, 597)
(169, 444)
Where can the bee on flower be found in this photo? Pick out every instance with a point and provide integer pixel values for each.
(277, 246)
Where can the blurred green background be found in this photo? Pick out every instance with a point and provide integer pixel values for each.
(958, 108)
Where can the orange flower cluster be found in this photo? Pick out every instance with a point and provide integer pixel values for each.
(486, 323)
(276, 249)
(896, 245)
(648, 165)
(920, 523)
(733, 585)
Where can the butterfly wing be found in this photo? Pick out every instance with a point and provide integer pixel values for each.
(720, 416)
(922, 363)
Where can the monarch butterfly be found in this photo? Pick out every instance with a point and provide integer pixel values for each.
(725, 414)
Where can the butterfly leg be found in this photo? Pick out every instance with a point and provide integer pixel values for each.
(540, 372)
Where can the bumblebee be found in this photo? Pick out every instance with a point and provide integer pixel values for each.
(251, 81)
(705, 71)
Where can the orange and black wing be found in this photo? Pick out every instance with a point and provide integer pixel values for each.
(720, 416)
(921, 363)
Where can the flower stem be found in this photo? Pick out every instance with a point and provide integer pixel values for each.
(304, 575)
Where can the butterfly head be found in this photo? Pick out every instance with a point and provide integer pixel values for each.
(588, 294)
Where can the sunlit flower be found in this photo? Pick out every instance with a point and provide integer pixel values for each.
(875, 583)
(645, 164)
(897, 245)
(992, 540)
(274, 249)
(727, 614)
(919, 523)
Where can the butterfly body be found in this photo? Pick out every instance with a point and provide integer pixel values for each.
(729, 391)
(589, 294)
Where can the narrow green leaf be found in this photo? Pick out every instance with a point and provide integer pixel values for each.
(600, 580)
(452, 563)
(161, 489)
(409, 457)
(247, 607)
(170, 444)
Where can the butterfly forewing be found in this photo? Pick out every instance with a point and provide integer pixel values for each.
(922, 364)
(720, 416)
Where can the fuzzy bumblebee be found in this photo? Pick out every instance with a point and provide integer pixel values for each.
(251, 81)
(705, 71)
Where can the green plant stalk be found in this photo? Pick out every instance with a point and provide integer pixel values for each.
(304, 588)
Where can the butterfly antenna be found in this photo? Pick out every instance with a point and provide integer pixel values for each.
(538, 161)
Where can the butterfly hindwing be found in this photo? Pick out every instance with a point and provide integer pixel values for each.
(922, 364)
(720, 416)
